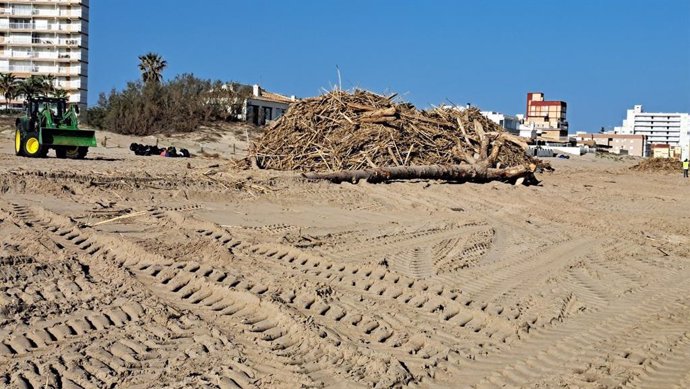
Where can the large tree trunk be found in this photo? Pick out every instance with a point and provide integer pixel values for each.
(457, 173)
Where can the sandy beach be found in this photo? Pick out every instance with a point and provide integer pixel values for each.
(218, 277)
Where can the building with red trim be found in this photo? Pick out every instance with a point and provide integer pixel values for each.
(547, 117)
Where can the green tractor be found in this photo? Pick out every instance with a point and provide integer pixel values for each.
(48, 123)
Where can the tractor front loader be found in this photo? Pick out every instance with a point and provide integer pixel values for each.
(47, 124)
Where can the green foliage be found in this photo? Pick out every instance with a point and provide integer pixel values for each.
(151, 66)
(59, 93)
(11, 87)
(36, 86)
(179, 105)
(8, 87)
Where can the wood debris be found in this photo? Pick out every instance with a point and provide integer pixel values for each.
(360, 130)
(659, 165)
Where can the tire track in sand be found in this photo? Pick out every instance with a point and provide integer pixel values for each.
(110, 343)
(283, 336)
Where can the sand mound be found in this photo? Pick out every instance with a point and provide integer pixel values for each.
(348, 131)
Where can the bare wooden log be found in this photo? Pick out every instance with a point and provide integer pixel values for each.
(390, 111)
(378, 119)
(456, 173)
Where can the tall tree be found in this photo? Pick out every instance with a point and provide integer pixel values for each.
(8, 87)
(151, 66)
(32, 86)
(47, 84)
(60, 93)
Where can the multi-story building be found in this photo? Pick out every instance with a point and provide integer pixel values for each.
(547, 117)
(667, 128)
(46, 37)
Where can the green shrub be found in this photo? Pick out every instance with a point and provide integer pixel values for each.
(180, 105)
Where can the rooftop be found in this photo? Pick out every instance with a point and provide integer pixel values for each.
(275, 97)
(619, 136)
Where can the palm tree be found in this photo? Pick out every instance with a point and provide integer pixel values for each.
(32, 86)
(8, 87)
(151, 66)
(47, 84)
(60, 93)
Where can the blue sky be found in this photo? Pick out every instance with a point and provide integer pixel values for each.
(601, 57)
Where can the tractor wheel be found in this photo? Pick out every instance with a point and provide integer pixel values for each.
(33, 148)
(18, 146)
(75, 152)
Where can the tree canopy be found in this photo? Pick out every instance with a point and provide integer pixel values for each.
(151, 66)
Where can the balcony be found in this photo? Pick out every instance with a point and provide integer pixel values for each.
(41, 55)
(18, 69)
(19, 11)
(38, 69)
(41, 12)
(68, 42)
(18, 26)
(51, 42)
(76, 56)
(44, 55)
(68, 84)
(18, 42)
(74, 27)
(54, 13)
(50, 2)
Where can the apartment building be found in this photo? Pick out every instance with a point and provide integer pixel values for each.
(547, 117)
(46, 37)
(661, 128)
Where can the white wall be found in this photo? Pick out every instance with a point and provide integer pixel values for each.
(567, 150)
(509, 122)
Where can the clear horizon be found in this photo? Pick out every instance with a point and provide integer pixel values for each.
(600, 58)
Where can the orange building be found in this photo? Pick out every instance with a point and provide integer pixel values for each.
(548, 117)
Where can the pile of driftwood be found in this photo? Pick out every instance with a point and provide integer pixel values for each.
(659, 165)
(343, 136)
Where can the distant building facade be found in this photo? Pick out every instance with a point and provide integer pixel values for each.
(661, 150)
(628, 144)
(509, 122)
(547, 117)
(661, 128)
(263, 106)
(46, 37)
(553, 134)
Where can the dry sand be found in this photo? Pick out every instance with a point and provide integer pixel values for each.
(257, 279)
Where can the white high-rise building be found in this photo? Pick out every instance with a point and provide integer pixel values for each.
(668, 128)
(46, 37)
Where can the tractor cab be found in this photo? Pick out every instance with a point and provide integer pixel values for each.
(52, 112)
(50, 122)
